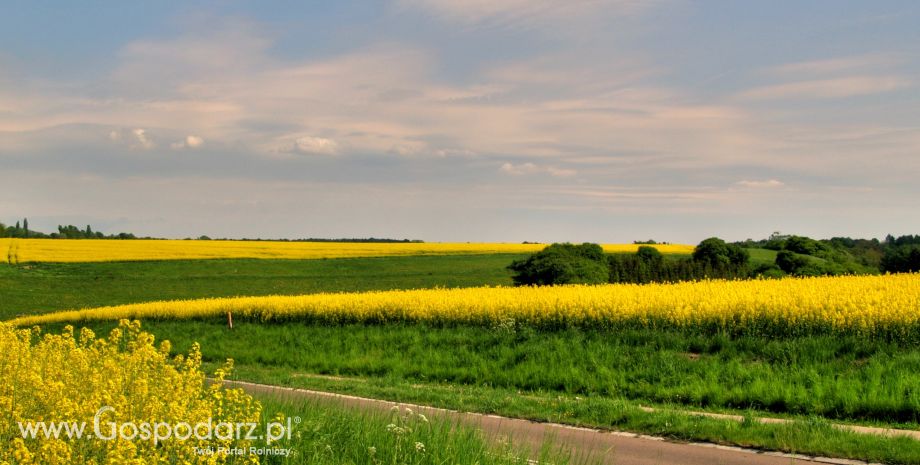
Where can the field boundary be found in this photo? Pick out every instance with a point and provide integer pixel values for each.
(890, 432)
(606, 445)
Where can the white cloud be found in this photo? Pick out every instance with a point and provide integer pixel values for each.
(768, 183)
(143, 140)
(190, 142)
(136, 138)
(530, 168)
(194, 141)
(315, 146)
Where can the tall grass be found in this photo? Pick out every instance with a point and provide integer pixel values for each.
(846, 378)
(335, 434)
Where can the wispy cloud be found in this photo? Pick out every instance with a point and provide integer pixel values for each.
(226, 88)
(859, 63)
(525, 13)
(760, 184)
(844, 87)
(559, 118)
(530, 168)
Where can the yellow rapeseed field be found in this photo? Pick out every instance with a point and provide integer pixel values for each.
(104, 250)
(69, 378)
(865, 305)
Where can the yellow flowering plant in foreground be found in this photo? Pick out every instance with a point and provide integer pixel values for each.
(102, 250)
(69, 378)
(886, 305)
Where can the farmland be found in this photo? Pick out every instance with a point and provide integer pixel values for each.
(866, 306)
(43, 287)
(91, 250)
(446, 330)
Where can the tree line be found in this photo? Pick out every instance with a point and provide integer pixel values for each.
(588, 264)
(713, 258)
(804, 256)
(22, 230)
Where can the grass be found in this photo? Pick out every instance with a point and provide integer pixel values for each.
(761, 257)
(843, 378)
(332, 434)
(42, 288)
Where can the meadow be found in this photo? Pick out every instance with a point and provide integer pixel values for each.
(815, 350)
(45, 287)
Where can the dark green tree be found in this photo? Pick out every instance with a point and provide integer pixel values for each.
(791, 262)
(901, 259)
(562, 264)
(803, 245)
(713, 252)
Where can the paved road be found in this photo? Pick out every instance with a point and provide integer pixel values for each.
(600, 447)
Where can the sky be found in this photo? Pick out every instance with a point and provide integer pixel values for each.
(477, 120)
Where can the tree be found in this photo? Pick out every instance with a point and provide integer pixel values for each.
(25, 227)
(803, 245)
(901, 259)
(738, 256)
(790, 262)
(562, 264)
(712, 251)
(649, 254)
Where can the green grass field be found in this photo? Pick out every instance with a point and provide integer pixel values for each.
(41, 288)
(761, 256)
(572, 376)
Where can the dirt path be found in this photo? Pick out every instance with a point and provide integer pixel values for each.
(599, 446)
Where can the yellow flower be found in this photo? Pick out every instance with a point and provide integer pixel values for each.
(101, 250)
(864, 305)
(57, 378)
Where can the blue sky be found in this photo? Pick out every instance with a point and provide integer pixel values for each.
(596, 120)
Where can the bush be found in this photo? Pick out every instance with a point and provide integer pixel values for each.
(562, 264)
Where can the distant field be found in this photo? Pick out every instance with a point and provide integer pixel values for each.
(43, 287)
(761, 256)
(102, 250)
